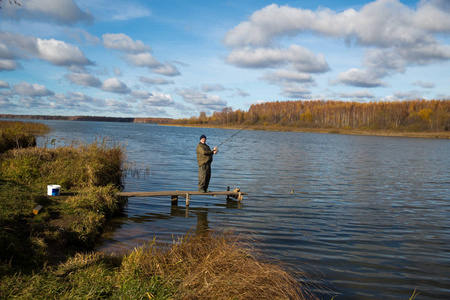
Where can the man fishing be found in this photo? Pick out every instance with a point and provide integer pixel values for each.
(204, 159)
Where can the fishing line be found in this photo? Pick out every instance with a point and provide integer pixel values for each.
(233, 135)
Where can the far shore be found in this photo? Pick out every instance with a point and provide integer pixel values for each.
(369, 132)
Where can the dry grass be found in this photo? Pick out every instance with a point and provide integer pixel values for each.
(215, 266)
(90, 176)
(74, 166)
(15, 134)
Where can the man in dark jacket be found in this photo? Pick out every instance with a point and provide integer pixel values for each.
(204, 159)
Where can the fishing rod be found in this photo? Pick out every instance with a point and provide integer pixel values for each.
(233, 135)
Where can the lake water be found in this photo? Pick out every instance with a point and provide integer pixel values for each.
(367, 216)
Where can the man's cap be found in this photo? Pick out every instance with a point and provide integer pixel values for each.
(203, 136)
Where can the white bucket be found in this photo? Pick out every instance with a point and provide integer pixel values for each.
(53, 190)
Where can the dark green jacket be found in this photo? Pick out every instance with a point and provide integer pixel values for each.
(204, 154)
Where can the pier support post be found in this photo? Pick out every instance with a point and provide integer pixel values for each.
(174, 199)
(240, 197)
(188, 197)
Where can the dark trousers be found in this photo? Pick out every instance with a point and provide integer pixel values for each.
(204, 175)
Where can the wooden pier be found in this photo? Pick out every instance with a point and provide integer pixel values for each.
(236, 194)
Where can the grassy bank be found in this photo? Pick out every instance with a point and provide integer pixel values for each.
(368, 132)
(89, 175)
(46, 242)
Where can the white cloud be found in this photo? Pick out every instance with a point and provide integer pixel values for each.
(207, 88)
(32, 102)
(424, 54)
(202, 100)
(357, 94)
(426, 85)
(141, 94)
(152, 110)
(15, 46)
(84, 79)
(81, 36)
(8, 65)
(411, 95)
(73, 100)
(242, 93)
(54, 51)
(118, 105)
(85, 103)
(80, 97)
(443, 96)
(117, 71)
(381, 62)
(123, 42)
(432, 15)
(144, 59)
(32, 90)
(5, 52)
(4, 85)
(395, 35)
(122, 11)
(6, 103)
(287, 76)
(294, 91)
(64, 12)
(380, 23)
(300, 58)
(114, 85)
(138, 54)
(167, 69)
(360, 78)
(61, 54)
(268, 23)
(152, 81)
(159, 100)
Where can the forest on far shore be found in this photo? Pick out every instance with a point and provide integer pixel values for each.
(412, 115)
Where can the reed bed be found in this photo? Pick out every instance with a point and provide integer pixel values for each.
(216, 265)
(219, 265)
(15, 134)
(75, 166)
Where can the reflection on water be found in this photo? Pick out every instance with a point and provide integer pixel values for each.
(371, 215)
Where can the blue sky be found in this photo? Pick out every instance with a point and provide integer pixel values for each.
(178, 58)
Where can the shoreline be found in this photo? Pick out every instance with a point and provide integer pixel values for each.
(361, 132)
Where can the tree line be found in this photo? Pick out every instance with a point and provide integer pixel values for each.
(412, 115)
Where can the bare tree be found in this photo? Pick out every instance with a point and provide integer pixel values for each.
(11, 2)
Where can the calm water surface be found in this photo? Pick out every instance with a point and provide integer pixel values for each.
(368, 216)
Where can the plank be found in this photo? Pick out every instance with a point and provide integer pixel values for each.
(236, 193)
(179, 193)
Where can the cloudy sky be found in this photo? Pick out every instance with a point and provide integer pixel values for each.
(177, 58)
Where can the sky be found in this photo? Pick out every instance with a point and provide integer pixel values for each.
(177, 58)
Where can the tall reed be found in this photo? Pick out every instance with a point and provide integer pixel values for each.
(217, 265)
(220, 265)
(74, 166)
(16, 134)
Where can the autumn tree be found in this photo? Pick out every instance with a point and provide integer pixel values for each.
(413, 115)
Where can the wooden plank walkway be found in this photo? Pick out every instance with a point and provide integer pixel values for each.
(236, 194)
